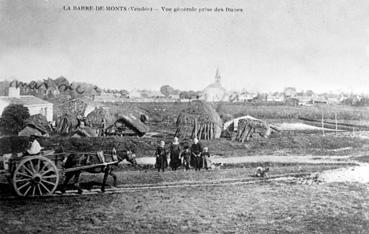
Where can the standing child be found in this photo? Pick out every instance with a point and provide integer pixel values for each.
(161, 157)
(186, 157)
(205, 156)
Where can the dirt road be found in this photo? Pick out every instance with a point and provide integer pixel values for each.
(269, 158)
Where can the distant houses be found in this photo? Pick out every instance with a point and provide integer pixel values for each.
(275, 97)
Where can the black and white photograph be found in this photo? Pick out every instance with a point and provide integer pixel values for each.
(184, 116)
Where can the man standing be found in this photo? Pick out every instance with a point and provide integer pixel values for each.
(196, 150)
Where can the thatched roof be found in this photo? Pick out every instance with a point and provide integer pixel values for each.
(85, 132)
(30, 131)
(130, 117)
(134, 123)
(38, 122)
(202, 113)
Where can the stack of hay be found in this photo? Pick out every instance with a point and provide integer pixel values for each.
(74, 107)
(66, 124)
(199, 120)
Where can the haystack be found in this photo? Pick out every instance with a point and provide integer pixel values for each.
(66, 123)
(199, 120)
(126, 121)
(75, 107)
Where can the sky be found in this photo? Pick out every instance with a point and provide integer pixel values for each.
(321, 45)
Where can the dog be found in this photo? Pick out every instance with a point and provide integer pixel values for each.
(215, 166)
(261, 171)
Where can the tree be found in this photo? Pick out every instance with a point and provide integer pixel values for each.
(13, 118)
(124, 93)
(167, 90)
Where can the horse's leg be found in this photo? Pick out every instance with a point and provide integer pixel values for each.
(106, 174)
(76, 182)
(68, 176)
(114, 177)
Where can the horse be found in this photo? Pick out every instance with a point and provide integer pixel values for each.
(74, 160)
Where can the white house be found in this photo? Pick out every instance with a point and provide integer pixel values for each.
(34, 104)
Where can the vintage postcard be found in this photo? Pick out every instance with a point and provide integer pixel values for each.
(196, 116)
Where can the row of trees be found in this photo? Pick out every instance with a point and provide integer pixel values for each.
(167, 91)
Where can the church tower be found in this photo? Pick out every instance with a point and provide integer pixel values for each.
(217, 77)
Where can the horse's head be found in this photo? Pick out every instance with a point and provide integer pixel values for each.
(127, 154)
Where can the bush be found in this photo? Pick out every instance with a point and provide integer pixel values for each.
(13, 118)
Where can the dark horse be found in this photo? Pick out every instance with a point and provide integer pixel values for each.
(80, 160)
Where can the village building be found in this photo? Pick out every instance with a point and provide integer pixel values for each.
(290, 92)
(34, 104)
(214, 92)
(247, 96)
(304, 99)
(275, 97)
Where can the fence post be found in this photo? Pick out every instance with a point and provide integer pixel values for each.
(335, 118)
(323, 123)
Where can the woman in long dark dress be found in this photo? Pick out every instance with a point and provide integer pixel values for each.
(161, 157)
(175, 151)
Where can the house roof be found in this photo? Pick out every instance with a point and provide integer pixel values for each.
(24, 100)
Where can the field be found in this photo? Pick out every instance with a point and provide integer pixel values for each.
(226, 200)
(263, 207)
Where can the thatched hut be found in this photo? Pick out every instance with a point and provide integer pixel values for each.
(118, 121)
(85, 132)
(245, 127)
(36, 125)
(199, 120)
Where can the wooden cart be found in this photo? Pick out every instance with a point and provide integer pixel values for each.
(39, 175)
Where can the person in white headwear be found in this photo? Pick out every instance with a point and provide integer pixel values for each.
(196, 150)
(161, 157)
(35, 147)
(175, 151)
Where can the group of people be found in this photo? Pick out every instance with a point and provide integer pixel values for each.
(195, 156)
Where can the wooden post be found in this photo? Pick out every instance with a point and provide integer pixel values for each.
(206, 131)
(323, 123)
(335, 119)
(212, 131)
(195, 130)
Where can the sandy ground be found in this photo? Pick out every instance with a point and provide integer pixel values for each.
(358, 174)
(299, 126)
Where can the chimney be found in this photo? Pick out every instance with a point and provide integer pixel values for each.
(14, 92)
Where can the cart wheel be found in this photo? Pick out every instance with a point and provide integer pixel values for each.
(35, 176)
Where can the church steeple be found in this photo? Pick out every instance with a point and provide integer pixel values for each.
(217, 76)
